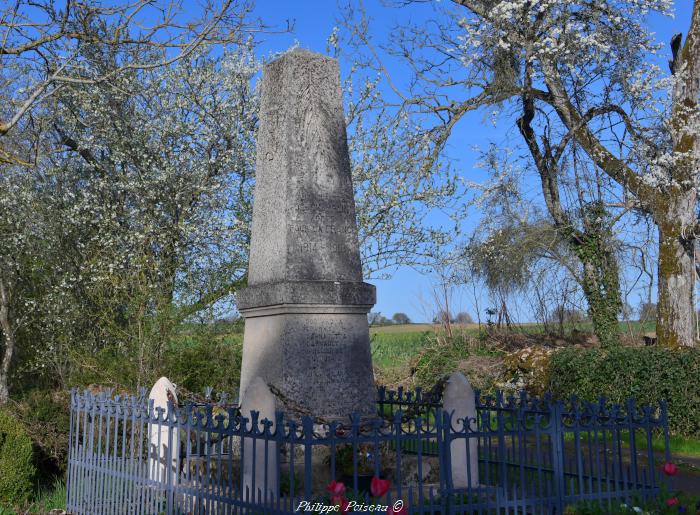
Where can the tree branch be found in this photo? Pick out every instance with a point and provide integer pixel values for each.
(601, 156)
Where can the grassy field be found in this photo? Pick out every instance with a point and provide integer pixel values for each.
(391, 348)
(626, 327)
(395, 347)
(412, 328)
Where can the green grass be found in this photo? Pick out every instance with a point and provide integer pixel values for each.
(626, 327)
(50, 498)
(425, 329)
(403, 328)
(680, 446)
(396, 349)
(46, 499)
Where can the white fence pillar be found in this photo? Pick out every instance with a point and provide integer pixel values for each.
(459, 400)
(164, 447)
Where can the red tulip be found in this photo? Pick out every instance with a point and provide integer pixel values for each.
(672, 501)
(670, 469)
(379, 487)
(344, 506)
(336, 488)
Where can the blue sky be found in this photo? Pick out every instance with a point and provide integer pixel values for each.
(408, 290)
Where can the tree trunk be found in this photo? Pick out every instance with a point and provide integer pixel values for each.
(600, 279)
(675, 325)
(675, 210)
(601, 286)
(8, 339)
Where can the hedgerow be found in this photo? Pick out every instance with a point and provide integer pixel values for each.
(648, 374)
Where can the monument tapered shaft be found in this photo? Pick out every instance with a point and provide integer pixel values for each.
(305, 306)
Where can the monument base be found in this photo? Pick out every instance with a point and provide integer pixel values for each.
(341, 293)
(314, 357)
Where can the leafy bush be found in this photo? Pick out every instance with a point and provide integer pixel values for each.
(439, 358)
(192, 360)
(647, 374)
(192, 365)
(17, 468)
(46, 416)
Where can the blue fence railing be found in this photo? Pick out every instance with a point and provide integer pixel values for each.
(518, 455)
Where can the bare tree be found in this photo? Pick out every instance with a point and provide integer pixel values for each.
(9, 343)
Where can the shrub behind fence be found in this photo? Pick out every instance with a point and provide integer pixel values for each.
(534, 456)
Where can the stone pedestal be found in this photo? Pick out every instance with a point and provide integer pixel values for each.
(305, 307)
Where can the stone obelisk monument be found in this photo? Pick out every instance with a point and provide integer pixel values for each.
(305, 306)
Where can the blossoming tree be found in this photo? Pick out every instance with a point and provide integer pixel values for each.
(141, 204)
(41, 46)
(580, 83)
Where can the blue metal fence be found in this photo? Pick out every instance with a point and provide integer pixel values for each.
(534, 456)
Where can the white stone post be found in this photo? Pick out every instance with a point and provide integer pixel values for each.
(164, 448)
(459, 400)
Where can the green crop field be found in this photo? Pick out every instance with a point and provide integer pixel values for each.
(418, 328)
(396, 349)
(626, 327)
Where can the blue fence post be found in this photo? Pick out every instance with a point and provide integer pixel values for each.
(502, 452)
(663, 418)
(443, 426)
(632, 429)
(307, 424)
(557, 439)
(650, 482)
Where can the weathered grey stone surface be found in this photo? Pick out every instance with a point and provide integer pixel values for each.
(262, 479)
(308, 292)
(304, 213)
(459, 400)
(164, 450)
(320, 363)
(305, 306)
